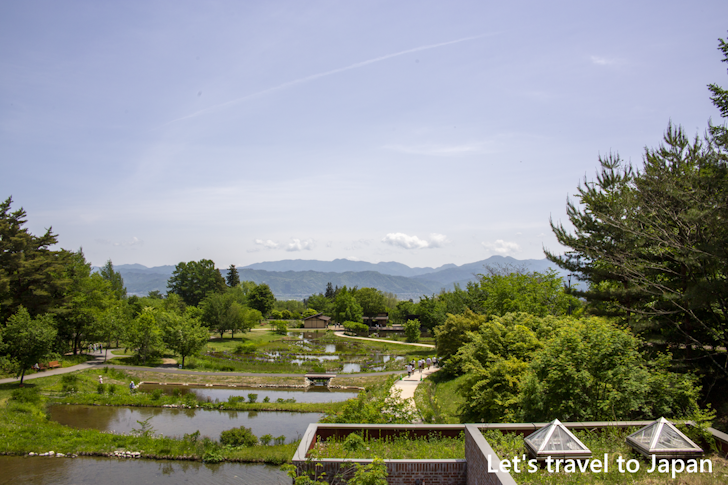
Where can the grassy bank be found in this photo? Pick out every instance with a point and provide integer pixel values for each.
(437, 399)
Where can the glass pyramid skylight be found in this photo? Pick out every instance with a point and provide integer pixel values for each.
(662, 439)
(556, 441)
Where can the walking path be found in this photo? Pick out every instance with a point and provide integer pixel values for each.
(408, 385)
(341, 334)
(98, 361)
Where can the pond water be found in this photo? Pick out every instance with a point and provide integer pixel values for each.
(178, 422)
(108, 471)
(310, 394)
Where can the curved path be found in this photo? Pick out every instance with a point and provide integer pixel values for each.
(100, 362)
(341, 334)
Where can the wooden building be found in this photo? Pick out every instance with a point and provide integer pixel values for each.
(316, 321)
(381, 320)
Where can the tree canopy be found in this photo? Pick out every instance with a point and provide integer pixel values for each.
(195, 279)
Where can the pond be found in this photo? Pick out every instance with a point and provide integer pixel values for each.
(311, 394)
(178, 422)
(108, 471)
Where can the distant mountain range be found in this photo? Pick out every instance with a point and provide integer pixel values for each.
(297, 279)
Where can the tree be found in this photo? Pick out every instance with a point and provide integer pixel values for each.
(346, 308)
(453, 334)
(371, 300)
(320, 303)
(431, 311)
(194, 280)
(593, 371)
(220, 312)
(88, 296)
(233, 278)
(31, 275)
(28, 340)
(115, 280)
(412, 330)
(261, 298)
(144, 336)
(183, 334)
(507, 289)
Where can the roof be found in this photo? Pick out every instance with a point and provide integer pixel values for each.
(320, 316)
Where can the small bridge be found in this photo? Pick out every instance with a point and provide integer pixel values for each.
(318, 379)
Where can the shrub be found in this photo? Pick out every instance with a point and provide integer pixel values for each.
(266, 439)
(252, 397)
(266, 399)
(279, 326)
(26, 395)
(354, 442)
(245, 348)
(355, 327)
(279, 440)
(101, 388)
(412, 330)
(156, 394)
(241, 436)
(112, 389)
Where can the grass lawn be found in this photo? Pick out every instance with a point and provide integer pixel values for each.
(395, 448)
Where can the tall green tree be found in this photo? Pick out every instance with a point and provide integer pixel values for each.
(261, 298)
(371, 300)
(114, 278)
(28, 340)
(183, 334)
(233, 278)
(144, 335)
(195, 279)
(31, 274)
(221, 313)
(346, 308)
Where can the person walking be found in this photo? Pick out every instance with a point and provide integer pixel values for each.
(429, 362)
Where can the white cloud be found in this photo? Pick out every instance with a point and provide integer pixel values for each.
(502, 247)
(298, 245)
(134, 241)
(437, 150)
(603, 61)
(269, 244)
(413, 242)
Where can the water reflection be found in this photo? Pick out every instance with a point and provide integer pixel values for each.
(311, 394)
(178, 422)
(106, 471)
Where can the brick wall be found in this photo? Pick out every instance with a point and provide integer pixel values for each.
(401, 472)
(477, 451)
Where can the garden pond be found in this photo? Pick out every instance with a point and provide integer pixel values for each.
(313, 394)
(176, 422)
(108, 471)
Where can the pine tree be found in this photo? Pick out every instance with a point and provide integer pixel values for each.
(233, 278)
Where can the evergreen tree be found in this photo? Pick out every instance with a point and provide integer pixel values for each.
(233, 278)
(114, 278)
(31, 275)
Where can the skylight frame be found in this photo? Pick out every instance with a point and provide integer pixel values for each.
(540, 453)
(652, 450)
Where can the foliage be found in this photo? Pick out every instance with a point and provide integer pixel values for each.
(592, 370)
(241, 436)
(183, 334)
(375, 473)
(355, 327)
(194, 280)
(221, 313)
(233, 278)
(371, 300)
(144, 336)
(452, 334)
(31, 275)
(319, 304)
(507, 289)
(346, 308)
(412, 330)
(403, 446)
(374, 406)
(28, 340)
(279, 326)
(261, 298)
(431, 311)
(115, 280)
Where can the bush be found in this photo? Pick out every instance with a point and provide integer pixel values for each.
(252, 397)
(112, 389)
(279, 326)
(26, 395)
(156, 394)
(266, 439)
(354, 442)
(241, 436)
(266, 399)
(355, 327)
(412, 330)
(280, 440)
(245, 348)
(101, 388)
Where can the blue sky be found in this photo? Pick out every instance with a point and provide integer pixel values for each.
(424, 132)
